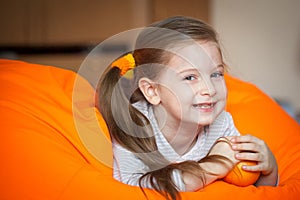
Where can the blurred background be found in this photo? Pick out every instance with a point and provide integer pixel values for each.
(260, 38)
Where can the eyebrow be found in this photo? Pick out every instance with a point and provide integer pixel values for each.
(195, 69)
(220, 65)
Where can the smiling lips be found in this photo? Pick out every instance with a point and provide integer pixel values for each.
(205, 106)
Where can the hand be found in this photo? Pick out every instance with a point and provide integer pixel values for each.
(254, 149)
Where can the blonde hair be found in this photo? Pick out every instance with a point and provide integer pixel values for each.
(127, 125)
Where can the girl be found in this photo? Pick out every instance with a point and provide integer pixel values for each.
(166, 115)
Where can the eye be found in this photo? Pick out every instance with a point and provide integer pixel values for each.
(217, 74)
(190, 77)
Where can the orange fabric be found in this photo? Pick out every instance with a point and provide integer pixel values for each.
(46, 122)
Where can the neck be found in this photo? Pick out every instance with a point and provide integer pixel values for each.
(181, 136)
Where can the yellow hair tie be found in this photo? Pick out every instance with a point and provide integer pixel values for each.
(125, 64)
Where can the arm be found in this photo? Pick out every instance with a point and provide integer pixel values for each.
(128, 168)
(217, 170)
(253, 149)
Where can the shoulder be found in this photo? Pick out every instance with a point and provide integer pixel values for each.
(125, 159)
(142, 106)
(224, 117)
(121, 152)
(224, 124)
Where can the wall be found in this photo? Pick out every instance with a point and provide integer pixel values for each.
(262, 43)
(55, 27)
(261, 37)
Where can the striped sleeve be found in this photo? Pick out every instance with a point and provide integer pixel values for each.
(177, 180)
(128, 169)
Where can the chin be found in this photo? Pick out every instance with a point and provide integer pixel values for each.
(206, 122)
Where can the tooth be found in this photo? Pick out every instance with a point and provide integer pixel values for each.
(205, 106)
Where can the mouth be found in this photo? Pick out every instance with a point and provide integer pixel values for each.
(204, 105)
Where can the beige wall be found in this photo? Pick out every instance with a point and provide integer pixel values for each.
(261, 37)
(262, 42)
(34, 23)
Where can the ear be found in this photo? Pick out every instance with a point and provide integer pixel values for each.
(149, 90)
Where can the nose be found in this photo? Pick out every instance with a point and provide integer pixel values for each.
(207, 88)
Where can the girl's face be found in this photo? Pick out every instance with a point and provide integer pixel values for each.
(192, 87)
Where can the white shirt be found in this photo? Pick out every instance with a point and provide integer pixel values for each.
(128, 168)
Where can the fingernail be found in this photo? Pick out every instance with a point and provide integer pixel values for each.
(234, 146)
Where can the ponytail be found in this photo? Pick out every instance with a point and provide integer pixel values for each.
(132, 130)
(161, 179)
(127, 125)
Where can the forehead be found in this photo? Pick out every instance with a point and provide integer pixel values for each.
(201, 55)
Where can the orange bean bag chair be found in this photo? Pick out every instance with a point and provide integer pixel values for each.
(54, 144)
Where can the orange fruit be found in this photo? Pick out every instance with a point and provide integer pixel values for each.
(240, 177)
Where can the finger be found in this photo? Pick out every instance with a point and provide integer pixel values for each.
(248, 156)
(253, 147)
(252, 168)
(244, 138)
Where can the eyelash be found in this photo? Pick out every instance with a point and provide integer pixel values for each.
(213, 75)
(217, 74)
(188, 78)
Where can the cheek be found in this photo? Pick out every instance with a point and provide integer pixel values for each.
(168, 96)
(174, 99)
(185, 94)
(221, 89)
(179, 91)
(172, 103)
